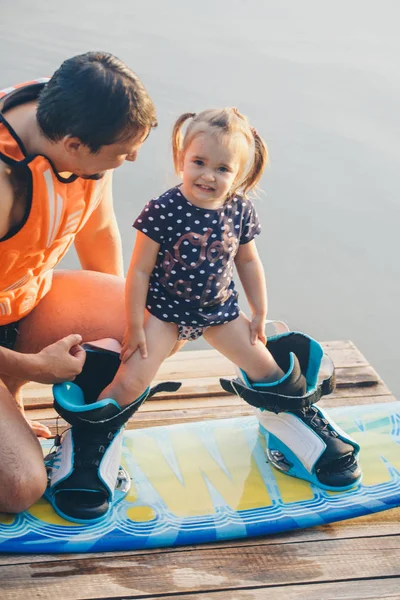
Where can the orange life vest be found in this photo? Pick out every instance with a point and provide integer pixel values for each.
(59, 209)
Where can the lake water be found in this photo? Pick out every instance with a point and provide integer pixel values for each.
(320, 81)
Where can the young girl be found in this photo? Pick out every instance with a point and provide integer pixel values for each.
(179, 284)
(180, 287)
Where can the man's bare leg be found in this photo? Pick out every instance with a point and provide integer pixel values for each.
(22, 473)
(84, 302)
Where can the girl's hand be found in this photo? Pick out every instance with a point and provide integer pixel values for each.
(257, 329)
(133, 339)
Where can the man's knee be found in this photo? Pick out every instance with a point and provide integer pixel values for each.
(76, 303)
(22, 487)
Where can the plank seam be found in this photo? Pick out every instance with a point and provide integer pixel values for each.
(246, 588)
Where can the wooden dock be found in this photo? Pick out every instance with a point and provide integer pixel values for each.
(355, 559)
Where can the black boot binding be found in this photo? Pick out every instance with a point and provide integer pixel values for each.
(85, 476)
(302, 440)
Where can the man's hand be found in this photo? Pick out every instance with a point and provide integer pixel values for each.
(257, 329)
(133, 339)
(62, 361)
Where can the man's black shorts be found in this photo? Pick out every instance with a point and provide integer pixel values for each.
(8, 335)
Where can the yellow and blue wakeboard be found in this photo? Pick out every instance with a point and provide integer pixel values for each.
(210, 481)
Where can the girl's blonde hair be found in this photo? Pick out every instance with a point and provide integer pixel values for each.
(223, 123)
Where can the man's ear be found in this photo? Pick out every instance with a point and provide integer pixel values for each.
(72, 145)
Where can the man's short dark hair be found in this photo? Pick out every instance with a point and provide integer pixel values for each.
(96, 98)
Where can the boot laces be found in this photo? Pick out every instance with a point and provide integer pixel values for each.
(312, 418)
(90, 447)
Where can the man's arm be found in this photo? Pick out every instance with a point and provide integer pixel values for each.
(98, 244)
(61, 361)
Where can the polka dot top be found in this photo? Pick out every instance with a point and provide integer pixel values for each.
(191, 283)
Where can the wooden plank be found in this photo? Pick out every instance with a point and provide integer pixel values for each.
(153, 418)
(349, 382)
(329, 347)
(210, 362)
(205, 570)
(378, 589)
(343, 353)
(370, 589)
(213, 363)
(159, 405)
(185, 364)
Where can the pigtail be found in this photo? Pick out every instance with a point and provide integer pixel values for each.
(258, 166)
(177, 139)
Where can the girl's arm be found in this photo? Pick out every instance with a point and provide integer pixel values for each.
(137, 284)
(251, 274)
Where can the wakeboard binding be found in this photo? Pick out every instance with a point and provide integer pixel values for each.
(301, 439)
(85, 477)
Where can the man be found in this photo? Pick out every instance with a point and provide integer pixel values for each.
(60, 139)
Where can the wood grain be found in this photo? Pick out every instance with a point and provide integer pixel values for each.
(231, 569)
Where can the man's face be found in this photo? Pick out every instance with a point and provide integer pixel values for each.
(84, 163)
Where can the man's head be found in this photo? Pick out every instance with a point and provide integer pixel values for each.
(97, 112)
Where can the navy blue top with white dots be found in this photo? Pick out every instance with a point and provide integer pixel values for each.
(191, 283)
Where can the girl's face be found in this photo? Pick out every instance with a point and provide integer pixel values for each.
(209, 169)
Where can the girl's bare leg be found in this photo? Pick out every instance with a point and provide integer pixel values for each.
(84, 302)
(137, 373)
(233, 341)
